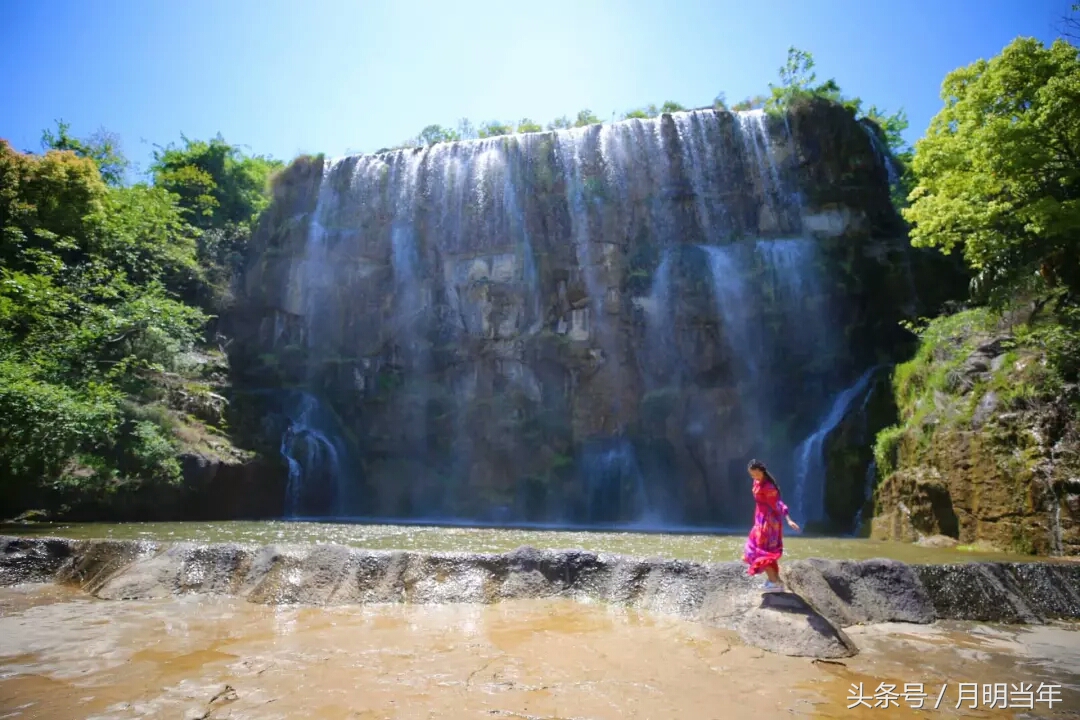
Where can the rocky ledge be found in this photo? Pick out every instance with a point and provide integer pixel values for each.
(827, 596)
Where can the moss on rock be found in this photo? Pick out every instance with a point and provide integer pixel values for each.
(987, 450)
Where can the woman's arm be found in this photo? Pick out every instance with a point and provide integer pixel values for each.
(783, 509)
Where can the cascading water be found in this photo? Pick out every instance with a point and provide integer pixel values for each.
(318, 270)
(809, 503)
(311, 450)
(791, 272)
(408, 289)
(783, 202)
(613, 482)
(736, 305)
(466, 313)
(314, 459)
(658, 325)
(570, 149)
(769, 328)
(883, 154)
(694, 130)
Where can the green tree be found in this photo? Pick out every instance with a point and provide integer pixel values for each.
(752, 103)
(670, 107)
(466, 130)
(893, 127)
(528, 126)
(215, 182)
(102, 147)
(87, 309)
(434, 134)
(586, 117)
(999, 170)
(799, 81)
(495, 129)
(560, 123)
(221, 190)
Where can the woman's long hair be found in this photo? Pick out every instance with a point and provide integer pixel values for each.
(758, 465)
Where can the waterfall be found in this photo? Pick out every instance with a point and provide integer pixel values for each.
(613, 482)
(408, 290)
(518, 227)
(782, 201)
(317, 269)
(693, 130)
(773, 324)
(791, 272)
(658, 325)
(883, 154)
(735, 305)
(314, 458)
(570, 148)
(809, 503)
(465, 312)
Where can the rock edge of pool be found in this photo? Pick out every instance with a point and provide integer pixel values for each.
(823, 598)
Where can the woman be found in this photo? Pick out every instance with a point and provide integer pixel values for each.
(766, 542)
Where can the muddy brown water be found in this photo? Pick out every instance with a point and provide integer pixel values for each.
(676, 546)
(65, 655)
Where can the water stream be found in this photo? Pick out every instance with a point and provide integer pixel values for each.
(810, 455)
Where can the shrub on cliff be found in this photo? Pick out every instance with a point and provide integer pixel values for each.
(89, 280)
(988, 443)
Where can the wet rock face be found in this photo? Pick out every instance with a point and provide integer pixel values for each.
(858, 593)
(593, 325)
(827, 595)
(1003, 592)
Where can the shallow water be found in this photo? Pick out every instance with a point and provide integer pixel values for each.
(67, 655)
(682, 546)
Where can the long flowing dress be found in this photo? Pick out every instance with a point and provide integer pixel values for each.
(766, 542)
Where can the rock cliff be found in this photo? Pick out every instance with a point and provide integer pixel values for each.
(598, 325)
(988, 447)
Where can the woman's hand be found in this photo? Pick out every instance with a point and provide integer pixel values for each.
(794, 526)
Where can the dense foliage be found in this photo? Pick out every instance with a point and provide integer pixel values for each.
(221, 191)
(998, 177)
(103, 287)
(999, 170)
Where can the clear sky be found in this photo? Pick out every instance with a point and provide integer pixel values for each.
(289, 76)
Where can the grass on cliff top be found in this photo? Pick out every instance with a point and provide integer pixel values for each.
(933, 390)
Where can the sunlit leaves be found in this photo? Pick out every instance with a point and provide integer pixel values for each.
(88, 279)
(999, 168)
(103, 148)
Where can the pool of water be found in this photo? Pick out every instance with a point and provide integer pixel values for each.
(66, 655)
(431, 538)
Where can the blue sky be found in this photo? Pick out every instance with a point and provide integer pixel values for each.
(289, 76)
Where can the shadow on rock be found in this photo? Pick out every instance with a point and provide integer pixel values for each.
(786, 602)
(785, 623)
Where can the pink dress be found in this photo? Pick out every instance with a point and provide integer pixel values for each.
(766, 542)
